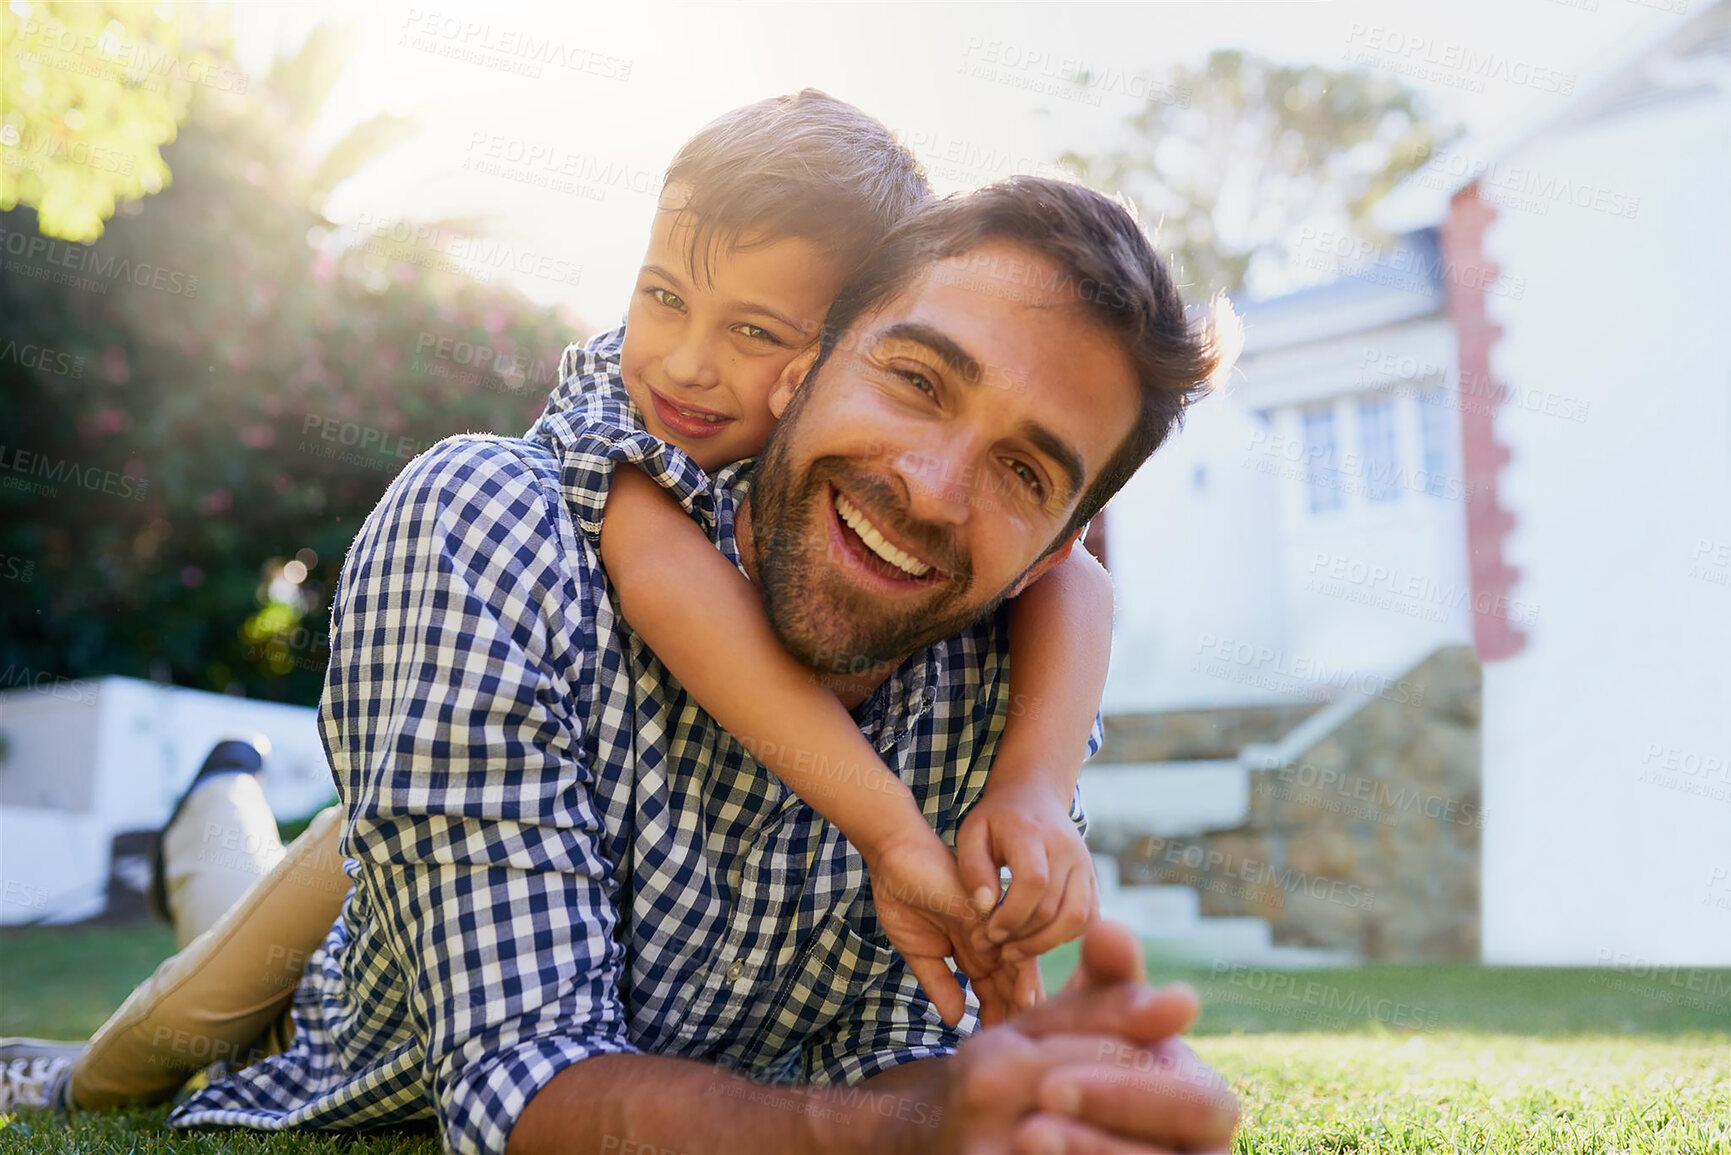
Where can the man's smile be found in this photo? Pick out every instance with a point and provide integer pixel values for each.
(868, 551)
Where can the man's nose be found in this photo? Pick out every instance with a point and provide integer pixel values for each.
(693, 362)
(937, 482)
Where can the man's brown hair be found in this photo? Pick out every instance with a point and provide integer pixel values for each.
(804, 165)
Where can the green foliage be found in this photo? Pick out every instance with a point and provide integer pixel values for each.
(90, 93)
(201, 407)
(1247, 151)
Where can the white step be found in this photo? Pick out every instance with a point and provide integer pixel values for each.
(1154, 911)
(1166, 798)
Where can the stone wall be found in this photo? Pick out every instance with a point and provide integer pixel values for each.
(1187, 735)
(1369, 842)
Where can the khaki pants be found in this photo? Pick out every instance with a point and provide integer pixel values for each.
(247, 913)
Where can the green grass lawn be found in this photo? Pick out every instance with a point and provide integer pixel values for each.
(1381, 1059)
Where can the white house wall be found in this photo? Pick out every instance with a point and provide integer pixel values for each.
(1195, 561)
(1607, 756)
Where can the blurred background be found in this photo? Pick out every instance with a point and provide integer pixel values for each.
(1423, 619)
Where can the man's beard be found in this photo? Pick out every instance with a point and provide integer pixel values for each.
(822, 618)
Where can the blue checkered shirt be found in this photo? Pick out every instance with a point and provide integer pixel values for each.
(556, 853)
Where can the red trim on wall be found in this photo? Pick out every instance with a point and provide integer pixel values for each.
(1468, 273)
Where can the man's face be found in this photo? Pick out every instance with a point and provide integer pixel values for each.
(919, 475)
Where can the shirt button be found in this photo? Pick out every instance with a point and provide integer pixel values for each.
(735, 971)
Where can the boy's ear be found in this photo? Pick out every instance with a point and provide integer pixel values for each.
(792, 377)
(1047, 564)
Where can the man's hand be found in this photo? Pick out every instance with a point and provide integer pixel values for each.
(1096, 1068)
(1053, 896)
(927, 917)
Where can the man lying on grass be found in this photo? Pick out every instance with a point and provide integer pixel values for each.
(579, 904)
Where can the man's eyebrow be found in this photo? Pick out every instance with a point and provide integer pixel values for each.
(967, 366)
(959, 360)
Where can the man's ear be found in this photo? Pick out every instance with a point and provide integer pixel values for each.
(1046, 564)
(792, 377)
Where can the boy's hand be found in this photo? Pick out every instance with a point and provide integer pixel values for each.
(927, 917)
(1053, 896)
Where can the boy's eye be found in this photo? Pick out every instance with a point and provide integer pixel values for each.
(663, 297)
(758, 333)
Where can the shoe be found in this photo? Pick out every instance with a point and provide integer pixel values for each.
(235, 754)
(35, 1073)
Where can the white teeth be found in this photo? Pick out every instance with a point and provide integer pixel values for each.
(856, 521)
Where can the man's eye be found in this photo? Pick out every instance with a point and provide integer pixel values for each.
(1029, 476)
(663, 297)
(919, 381)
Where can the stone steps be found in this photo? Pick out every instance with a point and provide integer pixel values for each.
(1170, 917)
(1171, 799)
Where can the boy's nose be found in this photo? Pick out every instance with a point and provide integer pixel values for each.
(692, 364)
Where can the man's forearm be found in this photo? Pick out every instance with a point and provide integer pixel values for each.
(654, 1105)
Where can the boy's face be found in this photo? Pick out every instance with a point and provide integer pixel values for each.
(702, 354)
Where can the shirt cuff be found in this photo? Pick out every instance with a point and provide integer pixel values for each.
(481, 1105)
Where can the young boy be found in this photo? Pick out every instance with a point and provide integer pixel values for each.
(763, 215)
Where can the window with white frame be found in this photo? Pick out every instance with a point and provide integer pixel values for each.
(1379, 444)
(1317, 424)
(1435, 421)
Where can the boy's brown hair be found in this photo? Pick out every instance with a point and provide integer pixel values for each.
(805, 165)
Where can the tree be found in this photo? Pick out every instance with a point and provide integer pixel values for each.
(200, 408)
(90, 93)
(1248, 151)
